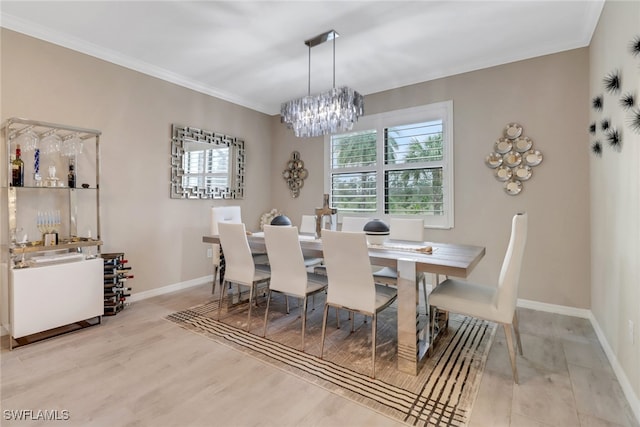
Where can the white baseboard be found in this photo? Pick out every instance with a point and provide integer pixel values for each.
(170, 288)
(627, 389)
(582, 313)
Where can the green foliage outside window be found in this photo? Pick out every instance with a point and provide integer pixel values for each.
(407, 190)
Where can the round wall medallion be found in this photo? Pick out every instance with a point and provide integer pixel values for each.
(533, 158)
(523, 172)
(493, 160)
(503, 146)
(503, 173)
(513, 131)
(513, 187)
(522, 144)
(512, 159)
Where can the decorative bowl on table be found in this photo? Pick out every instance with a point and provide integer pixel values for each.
(281, 220)
(377, 231)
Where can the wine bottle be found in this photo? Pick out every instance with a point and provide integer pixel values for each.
(71, 176)
(17, 170)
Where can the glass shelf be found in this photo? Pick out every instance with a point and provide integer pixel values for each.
(33, 247)
(44, 187)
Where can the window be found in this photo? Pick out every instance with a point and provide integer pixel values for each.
(398, 163)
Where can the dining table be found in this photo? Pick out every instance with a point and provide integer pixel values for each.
(410, 260)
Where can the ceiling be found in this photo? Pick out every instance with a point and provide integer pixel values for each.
(252, 53)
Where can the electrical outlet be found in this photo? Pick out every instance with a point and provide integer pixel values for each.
(630, 332)
(210, 253)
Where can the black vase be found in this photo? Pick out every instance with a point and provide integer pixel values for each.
(376, 231)
(281, 220)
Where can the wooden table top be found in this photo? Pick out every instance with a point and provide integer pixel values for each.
(447, 258)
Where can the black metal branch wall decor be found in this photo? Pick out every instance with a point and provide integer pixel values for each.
(634, 46)
(627, 101)
(612, 82)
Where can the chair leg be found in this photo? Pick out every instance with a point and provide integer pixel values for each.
(353, 318)
(424, 292)
(516, 328)
(266, 313)
(215, 276)
(220, 301)
(374, 321)
(286, 300)
(304, 319)
(324, 329)
(337, 318)
(250, 299)
(512, 353)
(432, 325)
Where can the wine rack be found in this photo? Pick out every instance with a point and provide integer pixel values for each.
(116, 287)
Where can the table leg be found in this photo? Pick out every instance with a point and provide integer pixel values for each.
(412, 328)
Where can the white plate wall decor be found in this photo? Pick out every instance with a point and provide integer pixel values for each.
(513, 159)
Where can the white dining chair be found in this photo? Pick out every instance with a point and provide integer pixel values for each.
(349, 223)
(351, 285)
(407, 229)
(240, 267)
(354, 223)
(308, 228)
(496, 304)
(232, 214)
(289, 275)
(221, 214)
(308, 225)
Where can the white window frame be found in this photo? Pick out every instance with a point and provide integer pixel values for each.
(436, 111)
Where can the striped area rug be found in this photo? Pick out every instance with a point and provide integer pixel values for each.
(441, 395)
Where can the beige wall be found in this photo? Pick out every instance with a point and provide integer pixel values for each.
(548, 96)
(161, 236)
(615, 192)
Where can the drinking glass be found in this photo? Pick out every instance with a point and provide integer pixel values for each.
(28, 140)
(71, 146)
(50, 144)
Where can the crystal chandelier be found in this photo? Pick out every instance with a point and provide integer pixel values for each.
(335, 110)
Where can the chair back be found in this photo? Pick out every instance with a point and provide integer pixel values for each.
(222, 214)
(240, 267)
(346, 257)
(411, 229)
(308, 224)
(288, 273)
(510, 273)
(354, 223)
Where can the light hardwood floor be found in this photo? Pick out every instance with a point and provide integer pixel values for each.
(138, 369)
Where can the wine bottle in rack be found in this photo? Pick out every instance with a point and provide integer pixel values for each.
(116, 275)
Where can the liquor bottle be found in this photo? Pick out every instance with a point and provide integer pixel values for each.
(71, 177)
(17, 170)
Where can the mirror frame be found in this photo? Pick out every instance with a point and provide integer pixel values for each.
(184, 134)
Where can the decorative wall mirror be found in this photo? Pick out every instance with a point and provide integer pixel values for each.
(206, 165)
